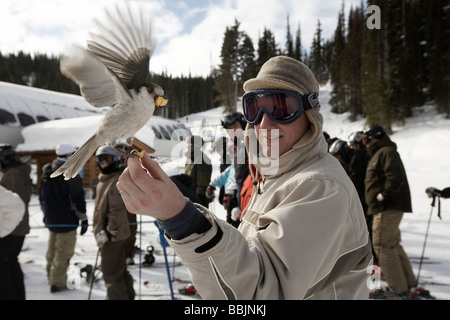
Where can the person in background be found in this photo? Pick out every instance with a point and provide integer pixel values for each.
(198, 167)
(12, 210)
(354, 162)
(302, 236)
(64, 207)
(219, 145)
(16, 178)
(355, 142)
(130, 247)
(388, 196)
(111, 227)
(234, 123)
(226, 180)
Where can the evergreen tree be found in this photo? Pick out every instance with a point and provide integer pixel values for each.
(438, 45)
(318, 61)
(267, 48)
(373, 78)
(289, 42)
(338, 93)
(228, 81)
(353, 62)
(298, 45)
(248, 60)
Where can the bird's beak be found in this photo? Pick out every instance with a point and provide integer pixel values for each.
(161, 101)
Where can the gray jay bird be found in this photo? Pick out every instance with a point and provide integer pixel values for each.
(114, 71)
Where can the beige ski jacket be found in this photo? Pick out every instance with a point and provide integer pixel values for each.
(303, 235)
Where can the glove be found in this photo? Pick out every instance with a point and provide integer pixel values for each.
(235, 213)
(84, 227)
(382, 198)
(210, 192)
(226, 200)
(101, 238)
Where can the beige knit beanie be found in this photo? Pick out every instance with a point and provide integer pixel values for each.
(289, 74)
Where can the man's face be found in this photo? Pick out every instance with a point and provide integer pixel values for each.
(276, 139)
(371, 142)
(105, 160)
(235, 126)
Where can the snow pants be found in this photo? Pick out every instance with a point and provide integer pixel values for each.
(61, 247)
(12, 286)
(393, 261)
(130, 246)
(118, 281)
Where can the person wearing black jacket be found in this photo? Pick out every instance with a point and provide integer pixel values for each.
(64, 207)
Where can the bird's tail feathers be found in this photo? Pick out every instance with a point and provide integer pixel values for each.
(77, 161)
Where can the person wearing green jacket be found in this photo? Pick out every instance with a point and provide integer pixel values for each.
(198, 167)
(387, 195)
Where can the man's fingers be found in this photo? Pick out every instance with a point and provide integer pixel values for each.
(151, 165)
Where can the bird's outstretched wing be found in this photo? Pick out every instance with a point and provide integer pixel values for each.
(125, 45)
(121, 50)
(95, 82)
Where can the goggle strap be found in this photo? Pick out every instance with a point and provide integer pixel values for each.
(310, 101)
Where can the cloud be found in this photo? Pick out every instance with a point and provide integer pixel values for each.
(189, 32)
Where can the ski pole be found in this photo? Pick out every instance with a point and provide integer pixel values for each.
(140, 257)
(93, 276)
(424, 245)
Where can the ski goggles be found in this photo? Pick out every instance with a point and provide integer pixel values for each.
(106, 158)
(279, 105)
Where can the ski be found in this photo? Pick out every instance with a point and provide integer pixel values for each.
(418, 258)
(155, 265)
(181, 280)
(434, 283)
(425, 262)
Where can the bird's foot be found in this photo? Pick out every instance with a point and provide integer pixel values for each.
(133, 153)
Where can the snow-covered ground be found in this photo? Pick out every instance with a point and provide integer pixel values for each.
(423, 143)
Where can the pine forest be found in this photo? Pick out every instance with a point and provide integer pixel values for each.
(384, 59)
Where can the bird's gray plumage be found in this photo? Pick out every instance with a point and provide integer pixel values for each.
(114, 71)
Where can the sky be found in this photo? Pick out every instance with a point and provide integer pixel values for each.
(189, 33)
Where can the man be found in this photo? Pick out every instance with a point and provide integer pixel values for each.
(16, 178)
(130, 246)
(388, 196)
(303, 234)
(198, 167)
(111, 227)
(235, 124)
(64, 207)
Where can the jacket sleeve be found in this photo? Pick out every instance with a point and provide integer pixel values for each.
(12, 209)
(220, 180)
(77, 197)
(393, 170)
(292, 252)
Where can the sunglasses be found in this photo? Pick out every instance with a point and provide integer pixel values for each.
(279, 105)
